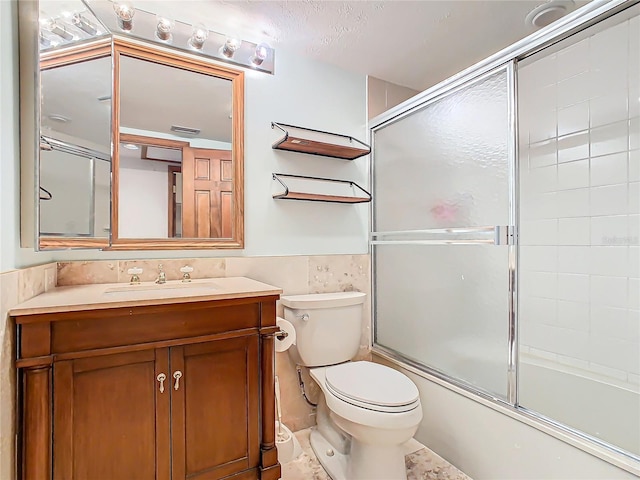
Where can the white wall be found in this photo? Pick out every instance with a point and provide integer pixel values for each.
(11, 256)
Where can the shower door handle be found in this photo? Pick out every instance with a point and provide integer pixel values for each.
(488, 235)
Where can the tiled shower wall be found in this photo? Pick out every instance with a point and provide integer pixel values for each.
(580, 202)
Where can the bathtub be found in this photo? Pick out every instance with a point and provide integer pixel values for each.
(605, 409)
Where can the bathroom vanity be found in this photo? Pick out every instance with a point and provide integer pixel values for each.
(148, 381)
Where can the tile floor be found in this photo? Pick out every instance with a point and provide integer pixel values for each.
(422, 464)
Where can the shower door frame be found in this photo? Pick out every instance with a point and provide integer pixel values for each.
(577, 21)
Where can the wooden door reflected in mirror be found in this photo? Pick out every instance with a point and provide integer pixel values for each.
(178, 152)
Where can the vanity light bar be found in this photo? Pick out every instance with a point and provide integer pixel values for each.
(120, 17)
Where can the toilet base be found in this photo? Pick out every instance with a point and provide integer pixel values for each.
(333, 462)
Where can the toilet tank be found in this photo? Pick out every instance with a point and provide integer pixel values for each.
(328, 326)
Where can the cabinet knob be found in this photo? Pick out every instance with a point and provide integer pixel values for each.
(161, 378)
(177, 374)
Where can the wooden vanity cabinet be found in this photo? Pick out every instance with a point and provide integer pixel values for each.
(149, 392)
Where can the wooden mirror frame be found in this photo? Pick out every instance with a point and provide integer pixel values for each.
(55, 59)
(193, 64)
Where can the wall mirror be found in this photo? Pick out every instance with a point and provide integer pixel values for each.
(132, 145)
(74, 170)
(177, 169)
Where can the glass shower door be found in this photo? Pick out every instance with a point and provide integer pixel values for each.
(443, 231)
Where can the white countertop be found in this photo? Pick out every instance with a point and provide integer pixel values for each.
(113, 295)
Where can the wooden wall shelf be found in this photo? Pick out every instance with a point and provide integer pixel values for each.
(316, 142)
(315, 189)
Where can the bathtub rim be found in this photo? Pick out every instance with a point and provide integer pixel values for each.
(576, 438)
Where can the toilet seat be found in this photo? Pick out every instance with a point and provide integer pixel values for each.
(372, 386)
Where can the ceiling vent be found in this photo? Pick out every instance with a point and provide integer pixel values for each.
(549, 12)
(185, 130)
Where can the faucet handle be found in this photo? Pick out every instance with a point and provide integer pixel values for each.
(186, 273)
(134, 272)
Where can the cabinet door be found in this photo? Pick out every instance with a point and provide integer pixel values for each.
(106, 412)
(214, 408)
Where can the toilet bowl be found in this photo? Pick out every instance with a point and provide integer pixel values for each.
(377, 407)
(367, 411)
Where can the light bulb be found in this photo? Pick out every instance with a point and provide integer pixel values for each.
(59, 30)
(124, 12)
(230, 46)
(260, 54)
(198, 36)
(84, 24)
(163, 28)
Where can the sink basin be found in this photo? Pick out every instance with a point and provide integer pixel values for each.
(164, 289)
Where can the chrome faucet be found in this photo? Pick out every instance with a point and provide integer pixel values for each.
(162, 277)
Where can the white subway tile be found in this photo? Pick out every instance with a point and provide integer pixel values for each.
(543, 154)
(611, 261)
(610, 352)
(634, 133)
(541, 179)
(634, 262)
(609, 230)
(573, 147)
(634, 197)
(609, 49)
(574, 259)
(634, 230)
(574, 90)
(634, 166)
(603, 81)
(537, 310)
(536, 206)
(633, 326)
(609, 291)
(612, 138)
(609, 108)
(572, 203)
(574, 231)
(609, 322)
(634, 97)
(536, 258)
(574, 315)
(563, 341)
(633, 378)
(609, 200)
(543, 125)
(539, 284)
(634, 293)
(573, 175)
(573, 287)
(574, 118)
(539, 232)
(609, 169)
(573, 60)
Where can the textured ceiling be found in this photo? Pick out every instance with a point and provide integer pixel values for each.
(412, 43)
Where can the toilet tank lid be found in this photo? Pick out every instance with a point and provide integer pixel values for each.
(323, 300)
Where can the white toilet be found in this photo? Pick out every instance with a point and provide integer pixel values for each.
(368, 411)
